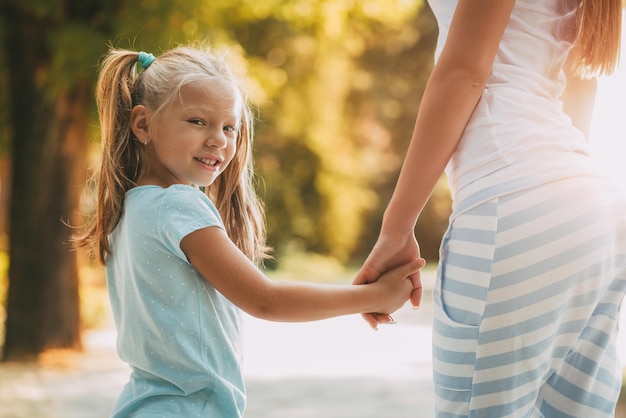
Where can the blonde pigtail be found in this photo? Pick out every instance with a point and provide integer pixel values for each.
(121, 162)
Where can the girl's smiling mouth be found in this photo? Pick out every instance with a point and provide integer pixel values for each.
(211, 162)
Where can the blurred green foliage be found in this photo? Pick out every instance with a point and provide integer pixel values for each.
(336, 83)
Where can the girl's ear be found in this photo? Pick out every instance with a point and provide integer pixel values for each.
(139, 123)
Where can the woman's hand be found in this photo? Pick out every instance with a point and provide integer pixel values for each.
(393, 248)
(395, 287)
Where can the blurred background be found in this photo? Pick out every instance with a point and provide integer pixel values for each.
(336, 85)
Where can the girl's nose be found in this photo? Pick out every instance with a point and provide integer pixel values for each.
(217, 139)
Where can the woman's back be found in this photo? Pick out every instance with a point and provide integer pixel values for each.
(519, 125)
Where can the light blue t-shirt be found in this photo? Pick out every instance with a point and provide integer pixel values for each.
(179, 335)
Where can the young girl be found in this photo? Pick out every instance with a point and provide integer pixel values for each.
(533, 265)
(179, 262)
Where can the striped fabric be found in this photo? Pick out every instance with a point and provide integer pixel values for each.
(527, 301)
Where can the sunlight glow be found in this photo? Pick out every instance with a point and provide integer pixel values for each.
(608, 142)
(608, 128)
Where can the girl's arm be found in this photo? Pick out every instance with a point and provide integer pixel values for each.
(452, 92)
(221, 263)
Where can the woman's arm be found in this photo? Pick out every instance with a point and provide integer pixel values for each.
(452, 92)
(579, 100)
(579, 95)
(221, 263)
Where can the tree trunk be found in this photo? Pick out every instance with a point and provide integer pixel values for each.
(48, 144)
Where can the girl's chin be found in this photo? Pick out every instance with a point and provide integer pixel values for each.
(204, 183)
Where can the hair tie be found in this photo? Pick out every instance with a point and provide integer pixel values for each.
(145, 59)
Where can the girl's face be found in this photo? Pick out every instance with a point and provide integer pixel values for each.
(194, 139)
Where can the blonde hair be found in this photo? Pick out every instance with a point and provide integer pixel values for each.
(120, 88)
(599, 28)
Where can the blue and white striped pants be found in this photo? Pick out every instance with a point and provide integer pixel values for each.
(527, 304)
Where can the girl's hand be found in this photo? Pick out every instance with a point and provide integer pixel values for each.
(395, 286)
(393, 248)
(226, 268)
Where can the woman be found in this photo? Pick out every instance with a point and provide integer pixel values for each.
(533, 265)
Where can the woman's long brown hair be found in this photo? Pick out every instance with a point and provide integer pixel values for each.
(598, 45)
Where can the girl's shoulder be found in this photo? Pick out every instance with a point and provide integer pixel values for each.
(174, 193)
(176, 200)
(153, 189)
(174, 211)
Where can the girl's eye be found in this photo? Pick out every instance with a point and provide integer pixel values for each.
(229, 128)
(196, 121)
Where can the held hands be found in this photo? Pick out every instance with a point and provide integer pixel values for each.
(391, 250)
(395, 286)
